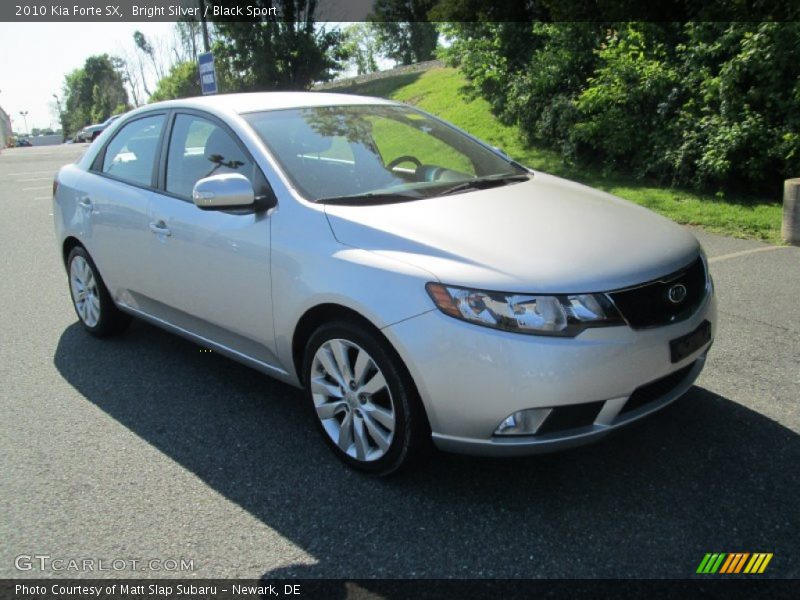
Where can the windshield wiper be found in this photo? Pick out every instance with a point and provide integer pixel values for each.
(483, 183)
(479, 183)
(371, 198)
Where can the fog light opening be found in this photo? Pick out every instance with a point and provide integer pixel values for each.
(523, 422)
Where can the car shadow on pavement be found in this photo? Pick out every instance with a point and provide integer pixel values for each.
(704, 475)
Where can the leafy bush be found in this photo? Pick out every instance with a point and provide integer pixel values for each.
(739, 126)
(182, 81)
(704, 105)
(544, 90)
(626, 108)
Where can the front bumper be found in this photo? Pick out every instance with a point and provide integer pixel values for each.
(471, 378)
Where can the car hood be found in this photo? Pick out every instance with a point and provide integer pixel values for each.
(546, 235)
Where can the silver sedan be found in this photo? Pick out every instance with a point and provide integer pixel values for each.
(420, 285)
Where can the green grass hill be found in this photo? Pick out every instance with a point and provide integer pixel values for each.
(442, 92)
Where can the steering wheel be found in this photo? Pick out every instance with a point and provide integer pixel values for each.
(405, 158)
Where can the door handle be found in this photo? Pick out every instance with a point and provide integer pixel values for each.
(160, 228)
(85, 202)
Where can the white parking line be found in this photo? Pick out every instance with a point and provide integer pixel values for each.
(31, 173)
(42, 197)
(37, 155)
(32, 179)
(41, 187)
(714, 259)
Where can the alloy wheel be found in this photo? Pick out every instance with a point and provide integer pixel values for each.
(85, 294)
(352, 400)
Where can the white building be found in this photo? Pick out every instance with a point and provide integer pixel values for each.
(5, 128)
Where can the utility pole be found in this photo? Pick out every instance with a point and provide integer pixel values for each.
(202, 4)
(60, 119)
(24, 114)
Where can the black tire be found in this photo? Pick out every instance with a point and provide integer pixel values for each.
(411, 437)
(111, 320)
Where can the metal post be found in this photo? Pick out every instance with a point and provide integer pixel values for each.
(24, 114)
(790, 231)
(60, 119)
(202, 3)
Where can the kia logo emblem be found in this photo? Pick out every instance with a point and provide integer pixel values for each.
(677, 293)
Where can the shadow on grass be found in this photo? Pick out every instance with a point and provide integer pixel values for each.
(706, 474)
(551, 162)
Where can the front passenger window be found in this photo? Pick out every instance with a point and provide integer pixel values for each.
(199, 148)
(131, 154)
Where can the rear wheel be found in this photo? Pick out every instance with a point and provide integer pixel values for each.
(365, 403)
(93, 304)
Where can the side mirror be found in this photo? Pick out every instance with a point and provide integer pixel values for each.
(224, 191)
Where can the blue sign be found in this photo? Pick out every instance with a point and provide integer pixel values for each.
(208, 74)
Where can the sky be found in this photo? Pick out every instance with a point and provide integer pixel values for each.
(34, 57)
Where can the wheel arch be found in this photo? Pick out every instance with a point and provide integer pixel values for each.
(318, 315)
(69, 243)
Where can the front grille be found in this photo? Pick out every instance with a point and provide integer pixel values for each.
(655, 390)
(572, 416)
(649, 305)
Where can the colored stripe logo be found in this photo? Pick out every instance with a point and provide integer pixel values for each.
(731, 563)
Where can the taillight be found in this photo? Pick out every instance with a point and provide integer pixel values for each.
(55, 186)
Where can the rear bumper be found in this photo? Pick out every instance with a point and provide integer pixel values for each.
(471, 378)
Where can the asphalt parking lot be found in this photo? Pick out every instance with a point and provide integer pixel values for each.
(145, 447)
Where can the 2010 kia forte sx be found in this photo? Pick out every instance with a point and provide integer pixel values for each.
(416, 282)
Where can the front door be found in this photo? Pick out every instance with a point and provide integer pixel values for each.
(213, 267)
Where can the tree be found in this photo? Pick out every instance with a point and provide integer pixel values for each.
(92, 94)
(183, 81)
(360, 47)
(402, 31)
(148, 60)
(188, 34)
(277, 52)
(150, 51)
(131, 78)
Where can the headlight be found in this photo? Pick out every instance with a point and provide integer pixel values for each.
(564, 315)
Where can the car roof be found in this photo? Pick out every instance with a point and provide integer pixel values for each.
(258, 101)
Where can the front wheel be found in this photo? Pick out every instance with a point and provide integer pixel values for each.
(365, 402)
(93, 304)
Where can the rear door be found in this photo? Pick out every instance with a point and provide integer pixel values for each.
(118, 190)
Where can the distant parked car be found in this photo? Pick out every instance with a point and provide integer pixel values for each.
(23, 143)
(90, 133)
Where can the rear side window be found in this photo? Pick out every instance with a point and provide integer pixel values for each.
(200, 148)
(131, 154)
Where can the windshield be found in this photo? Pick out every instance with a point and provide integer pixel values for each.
(376, 153)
